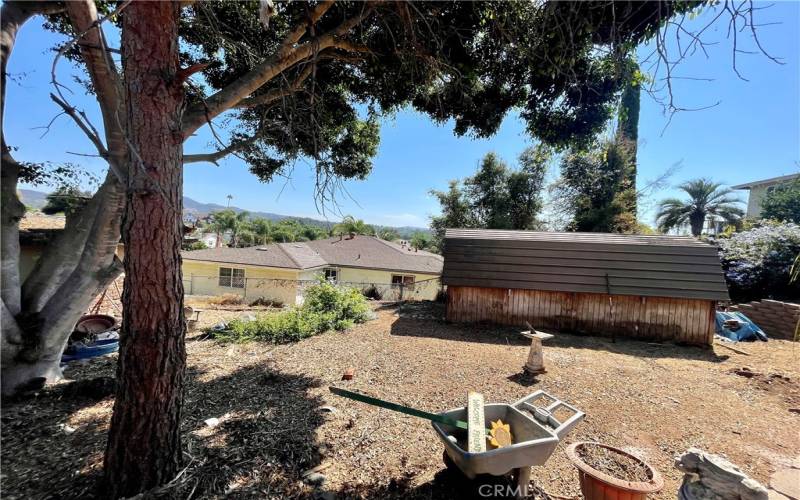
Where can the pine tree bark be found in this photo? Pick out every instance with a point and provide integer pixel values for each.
(144, 445)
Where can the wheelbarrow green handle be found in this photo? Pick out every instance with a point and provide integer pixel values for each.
(400, 408)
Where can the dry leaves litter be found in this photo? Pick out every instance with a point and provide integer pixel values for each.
(276, 431)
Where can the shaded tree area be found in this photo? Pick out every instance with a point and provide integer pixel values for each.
(496, 197)
(597, 190)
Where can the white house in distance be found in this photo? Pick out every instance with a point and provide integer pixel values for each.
(759, 189)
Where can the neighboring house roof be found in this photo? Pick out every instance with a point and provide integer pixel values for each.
(767, 182)
(370, 252)
(36, 229)
(267, 256)
(657, 266)
(359, 251)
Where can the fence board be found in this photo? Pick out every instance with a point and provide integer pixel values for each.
(658, 318)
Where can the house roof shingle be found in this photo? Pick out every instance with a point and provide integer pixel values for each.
(359, 251)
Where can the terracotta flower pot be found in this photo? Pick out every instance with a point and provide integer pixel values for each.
(596, 485)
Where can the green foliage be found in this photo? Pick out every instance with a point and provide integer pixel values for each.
(496, 197)
(351, 225)
(758, 262)
(247, 231)
(595, 188)
(326, 307)
(66, 200)
(421, 241)
(782, 203)
(195, 245)
(388, 234)
(705, 198)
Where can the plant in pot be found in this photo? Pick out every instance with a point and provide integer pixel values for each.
(608, 473)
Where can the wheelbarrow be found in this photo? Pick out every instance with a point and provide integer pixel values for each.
(536, 432)
(535, 428)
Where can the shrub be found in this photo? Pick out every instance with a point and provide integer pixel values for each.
(261, 301)
(226, 299)
(326, 307)
(372, 292)
(757, 261)
(783, 202)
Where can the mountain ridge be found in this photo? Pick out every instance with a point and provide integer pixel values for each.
(196, 209)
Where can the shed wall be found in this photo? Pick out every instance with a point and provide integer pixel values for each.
(689, 321)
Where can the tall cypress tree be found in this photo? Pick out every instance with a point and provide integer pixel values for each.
(628, 125)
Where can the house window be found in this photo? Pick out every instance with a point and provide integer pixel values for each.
(405, 280)
(231, 277)
(331, 274)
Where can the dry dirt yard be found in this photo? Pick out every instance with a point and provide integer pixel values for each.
(277, 418)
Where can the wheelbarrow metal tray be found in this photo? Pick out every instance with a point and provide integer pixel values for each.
(533, 442)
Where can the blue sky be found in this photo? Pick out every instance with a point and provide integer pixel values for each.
(753, 133)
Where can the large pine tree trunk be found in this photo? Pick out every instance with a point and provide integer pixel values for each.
(144, 446)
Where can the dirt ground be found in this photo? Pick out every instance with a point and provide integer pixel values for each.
(277, 418)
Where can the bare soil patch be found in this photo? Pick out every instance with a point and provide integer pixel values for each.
(613, 463)
(278, 420)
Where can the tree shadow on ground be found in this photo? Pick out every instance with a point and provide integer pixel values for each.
(264, 439)
(445, 485)
(487, 333)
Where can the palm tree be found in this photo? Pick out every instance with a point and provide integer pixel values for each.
(705, 198)
(351, 225)
(262, 228)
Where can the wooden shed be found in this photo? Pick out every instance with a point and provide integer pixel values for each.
(646, 287)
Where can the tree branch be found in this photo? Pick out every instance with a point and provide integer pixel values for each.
(218, 155)
(232, 94)
(85, 127)
(104, 76)
(277, 94)
(291, 40)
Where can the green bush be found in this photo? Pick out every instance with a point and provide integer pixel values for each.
(326, 307)
(757, 262)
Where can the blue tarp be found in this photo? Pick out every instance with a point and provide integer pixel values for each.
(748, 330)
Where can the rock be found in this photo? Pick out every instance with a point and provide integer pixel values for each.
(327, 409)
(212, 422)
(247, 318)
(787, 482)
(315, 478)
(68, 429)
(713, 477)
(219, 327)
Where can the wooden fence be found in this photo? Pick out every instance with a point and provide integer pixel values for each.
(689, 321)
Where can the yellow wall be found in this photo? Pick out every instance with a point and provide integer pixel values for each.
(202, 278)
(426, 287)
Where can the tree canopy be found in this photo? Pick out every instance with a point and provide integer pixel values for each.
(496, 197)
(782, 202)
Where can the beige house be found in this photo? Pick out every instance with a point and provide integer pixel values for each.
(759, 189)
(281, 271)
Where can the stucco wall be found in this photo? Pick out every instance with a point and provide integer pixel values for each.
(286, 285)
(202, 278)
(425, 288)
(754, 199)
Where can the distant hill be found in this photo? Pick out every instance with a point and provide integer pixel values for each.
(31, 198)
(193, 209)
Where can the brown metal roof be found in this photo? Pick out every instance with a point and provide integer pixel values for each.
(658, 266)
(365, 252)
